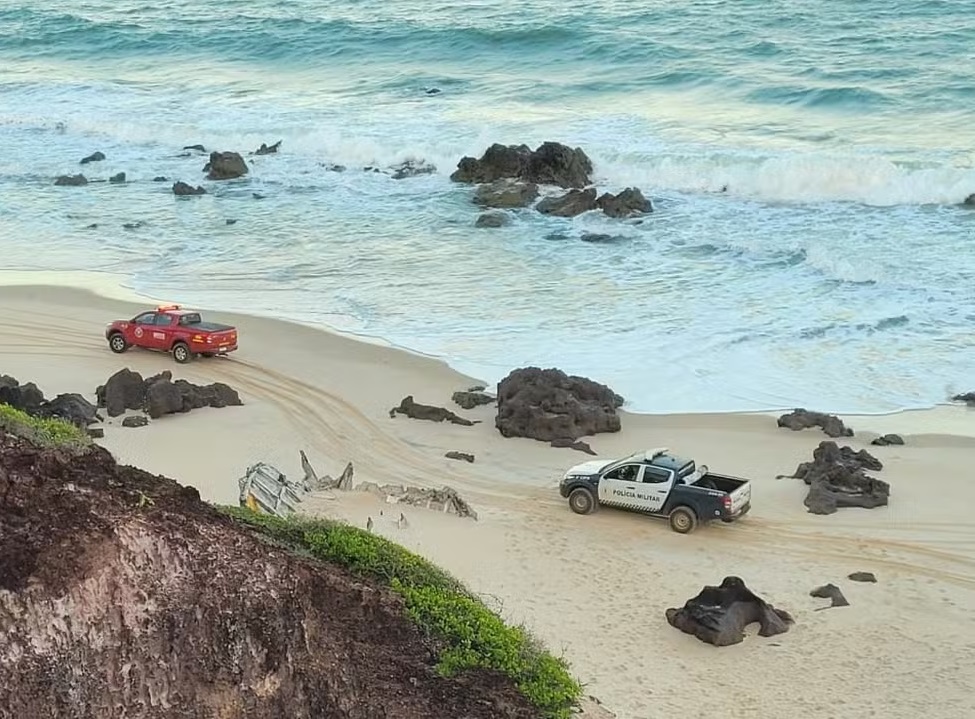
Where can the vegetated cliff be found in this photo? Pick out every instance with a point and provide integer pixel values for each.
(122, 594)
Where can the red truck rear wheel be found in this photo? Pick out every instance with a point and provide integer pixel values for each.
(181, 353)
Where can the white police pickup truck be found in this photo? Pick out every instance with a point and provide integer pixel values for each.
(660, 484)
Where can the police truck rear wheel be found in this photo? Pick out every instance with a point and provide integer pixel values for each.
(117, 343)
(181, 353)
(683, 520)
(581, 501)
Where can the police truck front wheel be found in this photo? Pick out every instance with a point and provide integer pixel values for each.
(683, 520)
(181, 353)
(581, 501)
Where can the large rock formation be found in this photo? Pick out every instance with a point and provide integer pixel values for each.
(552, 163)
(968, 397)
(836, 479)
(572, 203)
(627, 203)
(225, 166)
(159, 395)
(506, 193)
(719, 615)
(799, 419)
(122, 594)
(549, 405)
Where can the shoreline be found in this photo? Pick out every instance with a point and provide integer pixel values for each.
(939, 419)
(539, 564)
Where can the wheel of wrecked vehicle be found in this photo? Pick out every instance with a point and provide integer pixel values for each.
(683, 520)
(581, 501)
(181, 353)
(117, 343)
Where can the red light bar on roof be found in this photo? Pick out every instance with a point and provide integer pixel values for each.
(166, 308)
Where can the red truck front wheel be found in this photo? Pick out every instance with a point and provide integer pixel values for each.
(117, 343)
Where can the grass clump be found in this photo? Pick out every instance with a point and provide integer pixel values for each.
(473, 635)
(42, 431)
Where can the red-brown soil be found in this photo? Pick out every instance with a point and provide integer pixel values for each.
(111, 606)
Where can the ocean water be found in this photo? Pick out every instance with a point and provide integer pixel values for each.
(807, 163)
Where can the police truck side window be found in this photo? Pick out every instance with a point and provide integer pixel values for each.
(655, 475)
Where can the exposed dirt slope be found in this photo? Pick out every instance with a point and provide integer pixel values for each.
(112, 605)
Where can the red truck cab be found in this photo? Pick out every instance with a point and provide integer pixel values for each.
(170, 328)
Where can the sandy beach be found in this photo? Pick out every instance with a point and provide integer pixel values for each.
(596, 586)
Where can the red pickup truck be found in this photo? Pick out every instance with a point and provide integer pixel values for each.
(170, 328)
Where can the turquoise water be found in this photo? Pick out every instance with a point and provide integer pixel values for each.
(807, 163)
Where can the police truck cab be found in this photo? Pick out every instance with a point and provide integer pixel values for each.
(659, 484)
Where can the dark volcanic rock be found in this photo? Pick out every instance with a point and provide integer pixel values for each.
(968, 398)
(472, 399)
(506, 193)
(831, 592)
(412, 168)
(225, 166)
(166, 397)
(265, 149)
(493, 219)
(159, 395)
(836, 479)
(25, 397)
(799, 419)
(117, 179)
(93, 157)
(429, 412)
(463, 456)
(552, 163)
(123, 390)
(887, 439)
(124, 595)
(572, 203)
(549, 405)
(71, 181)
(578, 445)
(970, 200)
(28, 398)
(95, 432)
(182, 189)
(198, 148)
(719, 615)
(162, 178)
(862, 577)
(135, 420)
(625, 204)
(71, 407)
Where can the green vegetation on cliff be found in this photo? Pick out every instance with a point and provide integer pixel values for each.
(41, 431)
(473, 636)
